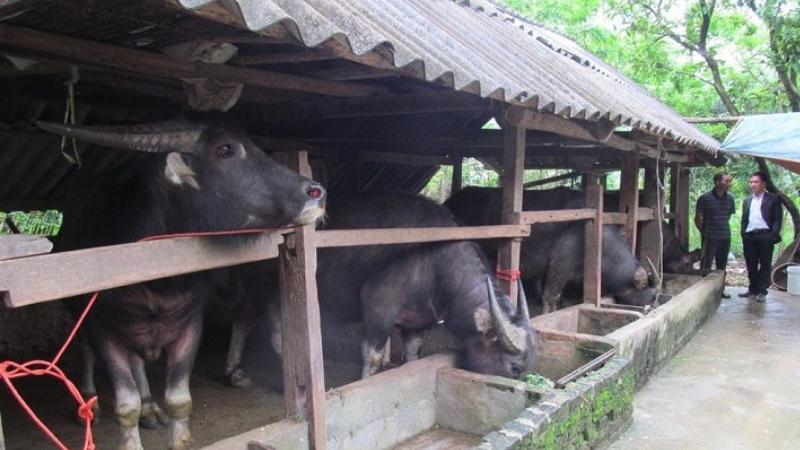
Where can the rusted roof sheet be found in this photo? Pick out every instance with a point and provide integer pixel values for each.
(475, 46)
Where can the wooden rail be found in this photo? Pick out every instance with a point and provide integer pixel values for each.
(643, 215)
(564, 215)
(37, 279)
(382, 236)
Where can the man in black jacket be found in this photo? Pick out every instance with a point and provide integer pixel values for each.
(761, 230)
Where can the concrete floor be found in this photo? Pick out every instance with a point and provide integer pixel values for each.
(735, 385)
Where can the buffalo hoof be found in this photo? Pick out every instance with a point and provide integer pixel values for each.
(179, 436)
(237, 377)
(152, 417)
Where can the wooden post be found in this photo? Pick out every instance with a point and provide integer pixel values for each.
(593, 252)
(629, 197)
(513, 168)
(650, 242)
(679, 203)
(458, 161)
(303, 372)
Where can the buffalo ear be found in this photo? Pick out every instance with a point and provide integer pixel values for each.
(178, 172)
(485, 326)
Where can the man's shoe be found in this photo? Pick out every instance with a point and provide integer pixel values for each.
(746, 294)
(726, 295)
(761, 298)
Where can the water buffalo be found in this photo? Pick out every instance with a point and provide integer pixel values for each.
(553, 255)
(414, 286)
(205, 174)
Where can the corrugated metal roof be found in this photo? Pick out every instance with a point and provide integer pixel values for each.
(477, 47)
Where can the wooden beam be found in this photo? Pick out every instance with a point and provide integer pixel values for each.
(373, 107)
(562, 215)
(650, 240)
(43, 278)
(303, 371)
(593, 131)
(679, 203)
(549, 180)
(302, 55)
(593, 252)
(19, 245)
(629, 198)
(513, 170)
(458, 163)
(39, 44)
(385, 236)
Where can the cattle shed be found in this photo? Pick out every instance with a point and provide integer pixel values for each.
(365, 96)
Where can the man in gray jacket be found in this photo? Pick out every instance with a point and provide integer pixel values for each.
(762, 214)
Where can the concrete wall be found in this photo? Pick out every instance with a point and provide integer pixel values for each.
(653, 339)
(477, 404)
(588, 412)
(378, 412)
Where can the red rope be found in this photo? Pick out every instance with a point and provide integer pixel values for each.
(508, 274)
(9, 370)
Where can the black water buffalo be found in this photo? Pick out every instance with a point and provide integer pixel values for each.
(414, 286)
(205, 175)
(553, 255)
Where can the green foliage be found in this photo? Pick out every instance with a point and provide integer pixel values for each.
(47, 223)
(536, 380)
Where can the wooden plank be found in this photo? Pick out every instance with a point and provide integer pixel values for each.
(593, 252)
(384, 236)
(642, 215)
(303, 371)
(26, 41)
(42, 278)
(629, 198)
(562, 215)
(513, 170)
(18, 245)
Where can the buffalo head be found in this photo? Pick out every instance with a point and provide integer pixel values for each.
(506, 342)
(645, 287)
(209, 164)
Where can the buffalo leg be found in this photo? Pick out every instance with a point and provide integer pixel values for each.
(413, 341)
(180, 359)
(151, 417)
(554, 284)
(87, 386)
(240, 331)
(380, 303)
(127, 403)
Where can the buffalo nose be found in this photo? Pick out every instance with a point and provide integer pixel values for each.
(315, 190)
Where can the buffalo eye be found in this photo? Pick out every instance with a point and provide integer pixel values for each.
(226, 151)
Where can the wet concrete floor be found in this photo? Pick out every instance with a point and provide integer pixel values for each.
(735, 385)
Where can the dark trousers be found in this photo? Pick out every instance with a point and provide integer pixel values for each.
(715, 250)
(758, 256)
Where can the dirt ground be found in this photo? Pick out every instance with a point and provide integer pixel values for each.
(219, 411)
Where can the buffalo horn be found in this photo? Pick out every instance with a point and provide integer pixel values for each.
(511, 337)
(656, 277)
(522, 302)
(169, 136)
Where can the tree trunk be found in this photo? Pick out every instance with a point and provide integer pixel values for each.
(787, 202)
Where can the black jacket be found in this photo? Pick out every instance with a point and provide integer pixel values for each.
(771, 211)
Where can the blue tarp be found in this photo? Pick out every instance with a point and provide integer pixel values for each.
(772, 136)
